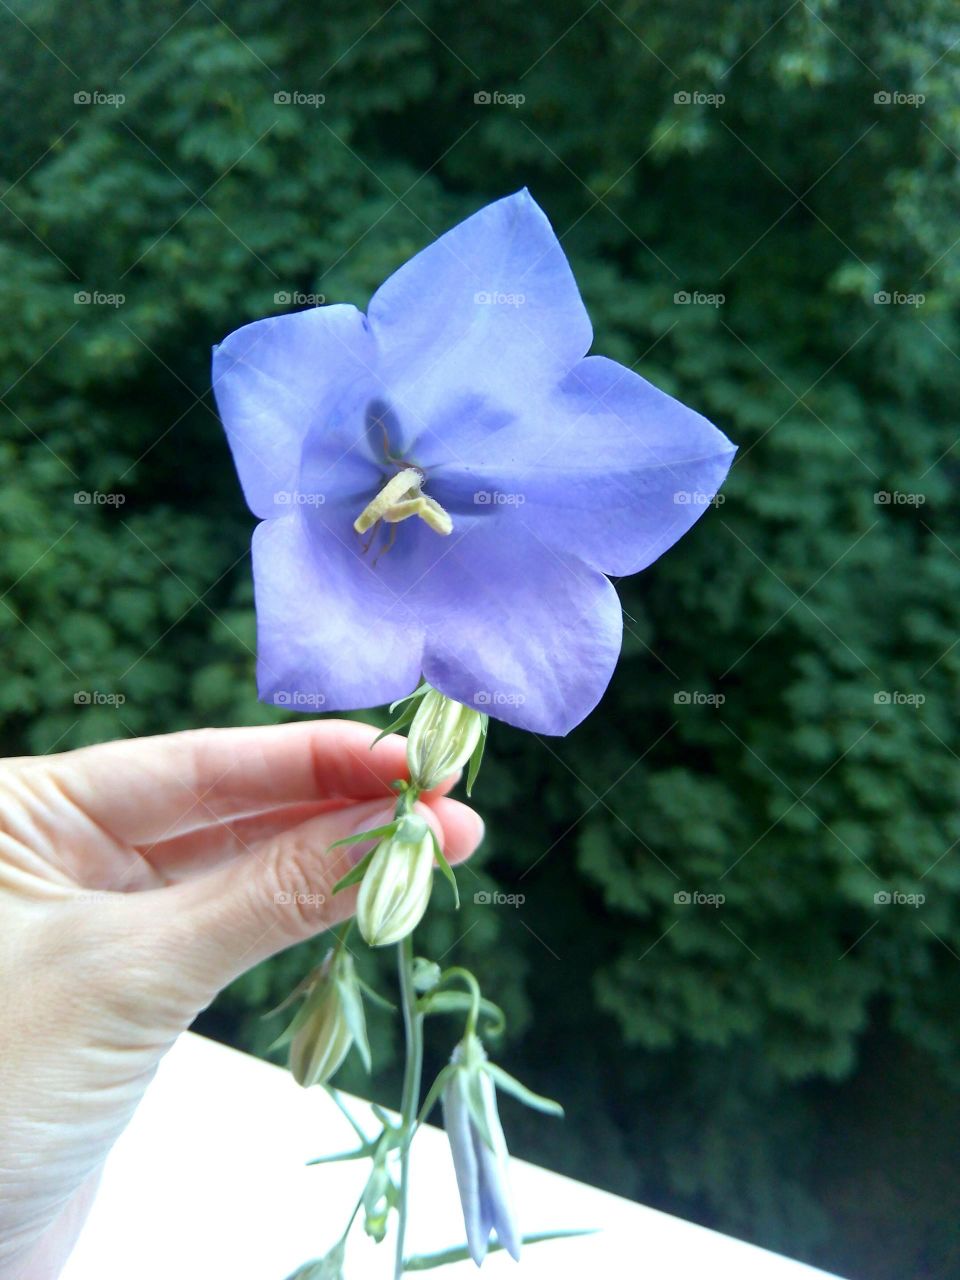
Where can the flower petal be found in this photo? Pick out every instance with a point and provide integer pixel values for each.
(495, 1192)
(490, 305)
(333, 634)
(456, 1121)
(607, 468)
(281, 379)
(516, 629)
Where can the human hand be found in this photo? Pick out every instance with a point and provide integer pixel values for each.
(137, 879)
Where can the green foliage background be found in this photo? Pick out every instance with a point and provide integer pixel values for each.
(784, 1066)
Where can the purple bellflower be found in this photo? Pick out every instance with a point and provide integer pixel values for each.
(479, 1151)
(444, 482)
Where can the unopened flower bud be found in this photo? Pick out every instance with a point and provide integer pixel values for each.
(442, 738)
(321, 1032)
(396, 887)
(479, 1151)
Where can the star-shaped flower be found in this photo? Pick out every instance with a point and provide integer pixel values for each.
(445, 482)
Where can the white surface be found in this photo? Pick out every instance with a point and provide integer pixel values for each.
(209, 1181)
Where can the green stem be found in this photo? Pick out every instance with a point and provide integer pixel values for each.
(413, 1027)
(473, 986)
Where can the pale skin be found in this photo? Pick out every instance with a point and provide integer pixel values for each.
(137, 879)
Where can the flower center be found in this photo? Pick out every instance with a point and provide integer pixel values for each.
(399, 499)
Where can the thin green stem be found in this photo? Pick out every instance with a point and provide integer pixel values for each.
(473, 986)
(413, 1028)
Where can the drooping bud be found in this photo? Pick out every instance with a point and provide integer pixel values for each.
(442, 738)
(479, 1151)
(328, 1023)
(396, 885)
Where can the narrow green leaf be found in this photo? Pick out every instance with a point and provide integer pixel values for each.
(433, 1096)
(375, 833)
(356, 875)
(446, 870)
(352, 1004)
(361, 1153)
(503, 1080)
(427, 1261)
(473, 768)
(375, 997)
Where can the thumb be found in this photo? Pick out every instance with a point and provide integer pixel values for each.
(277, 893)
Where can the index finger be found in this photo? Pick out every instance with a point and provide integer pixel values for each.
(157, 788)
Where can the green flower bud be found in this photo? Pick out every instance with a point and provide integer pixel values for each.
(325, 1027)
(396, 886)
(442, 738)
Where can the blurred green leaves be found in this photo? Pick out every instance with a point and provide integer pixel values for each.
(679, 1031)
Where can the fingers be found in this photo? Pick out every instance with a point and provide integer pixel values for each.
(462, 828)
(213, 928)
(199, 852)
(155, 789)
